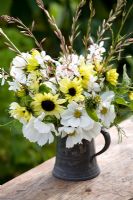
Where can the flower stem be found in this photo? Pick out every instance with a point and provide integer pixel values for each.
(10, 42)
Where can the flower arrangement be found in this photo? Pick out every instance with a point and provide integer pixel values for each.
(73, 96)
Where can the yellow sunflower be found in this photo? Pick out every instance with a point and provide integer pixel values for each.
(48, 103)
(72, 89)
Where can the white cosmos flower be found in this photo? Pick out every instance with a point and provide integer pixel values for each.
(73, 137)
(77, 125)
(90, 132)
(106, 111)
(38, 131)
(108, 96)
(75, 116)
(76, 135)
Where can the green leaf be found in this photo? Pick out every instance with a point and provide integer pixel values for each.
(121, 101)
(44, 89)
(131, 105)
(92, 114)
(126, 80)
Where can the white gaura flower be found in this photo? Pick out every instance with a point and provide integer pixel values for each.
(18, 66)
(68, 67)
(96, 52)
(38, 131)
(106, 111)
(45, 57)
(14, 86)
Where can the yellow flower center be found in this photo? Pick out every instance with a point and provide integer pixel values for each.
(104, 110)
(77, 114)
(72, 134)
(48, 105)
(97, 99)
(72, 91)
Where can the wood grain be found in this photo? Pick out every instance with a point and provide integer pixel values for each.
(114, 183)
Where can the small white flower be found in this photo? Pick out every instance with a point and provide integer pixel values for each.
(96, 52)
(38, 131)
(108, 96)
(19, 63)
(14, 86)
(47, 58)
(106, 111)
(93, 85)
(73, 137)
(52, 85)
(3, 76)
(68, 67)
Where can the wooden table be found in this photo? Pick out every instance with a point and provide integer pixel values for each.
(114, 183)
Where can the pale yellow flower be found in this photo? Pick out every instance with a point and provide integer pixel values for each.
(112, 77)
(131, 96)
(19, 112)
(85, 72)
(32, 61)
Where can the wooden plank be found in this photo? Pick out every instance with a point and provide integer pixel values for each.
(114, 183)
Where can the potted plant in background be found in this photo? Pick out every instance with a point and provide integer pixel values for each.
(74, 97)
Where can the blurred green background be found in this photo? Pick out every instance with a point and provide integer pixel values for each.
(16, 153)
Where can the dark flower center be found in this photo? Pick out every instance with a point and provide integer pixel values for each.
(72, 91)
(48, 105)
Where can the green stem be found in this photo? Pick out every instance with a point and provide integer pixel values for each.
(2, 125)
(123, 21)
(11, 43)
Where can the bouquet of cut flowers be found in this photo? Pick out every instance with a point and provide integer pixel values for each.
(73, 96)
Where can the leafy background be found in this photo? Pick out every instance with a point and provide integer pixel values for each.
(16, 153)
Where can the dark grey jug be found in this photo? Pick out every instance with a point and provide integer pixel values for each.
(78, 163)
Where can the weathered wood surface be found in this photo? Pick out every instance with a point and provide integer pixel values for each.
(114, 183)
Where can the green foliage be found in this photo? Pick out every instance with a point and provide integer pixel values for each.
(16, 153)
(126, 80)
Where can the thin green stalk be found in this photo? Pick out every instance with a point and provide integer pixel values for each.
(10, 42)
(2, 125)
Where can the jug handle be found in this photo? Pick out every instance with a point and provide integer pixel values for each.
(107, 139)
